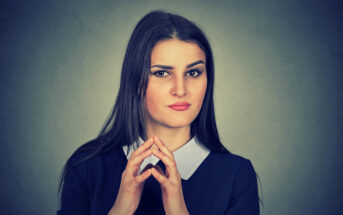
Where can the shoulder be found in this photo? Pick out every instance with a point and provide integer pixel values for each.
(232, 164)
(94, 166)
(238, 178)
(89, 160)
(115, 154)
(228, 158)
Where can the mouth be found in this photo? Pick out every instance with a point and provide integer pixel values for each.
(180, 106)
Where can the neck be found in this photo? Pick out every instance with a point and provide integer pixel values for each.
(173, 138)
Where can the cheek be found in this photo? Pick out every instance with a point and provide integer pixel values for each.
(200, 91)
(203, 89)
(153, 98)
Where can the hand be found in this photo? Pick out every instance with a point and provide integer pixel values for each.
(171, 187)
(131, 185)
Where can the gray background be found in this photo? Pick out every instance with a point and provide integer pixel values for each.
(277, 94)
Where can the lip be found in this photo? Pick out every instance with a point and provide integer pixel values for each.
(180, 106)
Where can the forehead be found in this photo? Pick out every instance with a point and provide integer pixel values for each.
(174, 51)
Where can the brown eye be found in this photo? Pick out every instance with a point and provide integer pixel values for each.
(194, 73)
(160, 73)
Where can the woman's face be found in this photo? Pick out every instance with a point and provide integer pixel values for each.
(177, 84)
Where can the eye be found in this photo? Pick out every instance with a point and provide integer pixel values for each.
(194, 73)
(160, 73)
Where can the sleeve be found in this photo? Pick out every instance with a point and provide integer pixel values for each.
(75, 192)
(245, 200)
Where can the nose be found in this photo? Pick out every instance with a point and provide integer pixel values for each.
(179, 87)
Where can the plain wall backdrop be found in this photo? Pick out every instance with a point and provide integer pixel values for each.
(277, 92)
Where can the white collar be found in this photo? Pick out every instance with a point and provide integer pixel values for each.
(188, 157)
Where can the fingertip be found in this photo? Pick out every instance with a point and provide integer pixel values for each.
(145, 175)
(148, 173)
(149, 141)
(148, 152)
(155, 139)
(156, 174)
(159, 140)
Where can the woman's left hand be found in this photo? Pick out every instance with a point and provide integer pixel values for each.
(171, 187)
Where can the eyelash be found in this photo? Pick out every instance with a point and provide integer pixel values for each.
(193, 70)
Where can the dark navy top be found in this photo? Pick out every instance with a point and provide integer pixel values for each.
(224, 183)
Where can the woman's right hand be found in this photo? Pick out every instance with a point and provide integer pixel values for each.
(131, 185)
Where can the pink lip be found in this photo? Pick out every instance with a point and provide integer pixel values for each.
(180, 106)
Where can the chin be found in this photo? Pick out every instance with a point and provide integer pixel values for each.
(178, 123)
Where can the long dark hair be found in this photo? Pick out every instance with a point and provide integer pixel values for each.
(126, 122)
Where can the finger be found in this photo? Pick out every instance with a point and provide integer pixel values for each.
(159, 177)
(162, 147)
(136, 157)
(134, 162)
(160, 170)
(146, 145)
(142, 177)
(170, 164)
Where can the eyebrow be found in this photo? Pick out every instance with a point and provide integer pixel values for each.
(170, 67)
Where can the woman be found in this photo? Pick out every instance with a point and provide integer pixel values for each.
(159, 152)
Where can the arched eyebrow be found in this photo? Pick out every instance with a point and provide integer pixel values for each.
(170, 67)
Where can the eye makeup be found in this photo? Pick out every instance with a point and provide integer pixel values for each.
(191, 73)
(197, 72)
(160, 73)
